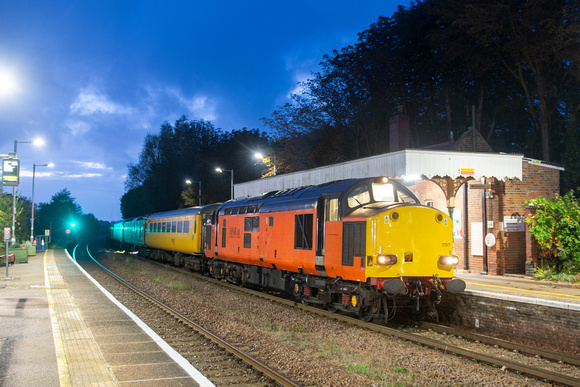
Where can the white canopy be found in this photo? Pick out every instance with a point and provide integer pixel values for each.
(409, 163)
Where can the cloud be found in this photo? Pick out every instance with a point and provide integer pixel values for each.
(198, 106)
(91, 165)
(78, 128)
(90, 101)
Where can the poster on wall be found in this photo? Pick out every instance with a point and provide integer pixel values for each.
(457, 231)
(476, 239)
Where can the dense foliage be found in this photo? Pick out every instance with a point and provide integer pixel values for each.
(555, 226)
(55, 216)
(58, 216)
(190, 150)
(509, 67)
(22, 219)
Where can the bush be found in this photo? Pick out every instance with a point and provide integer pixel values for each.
(555, 226)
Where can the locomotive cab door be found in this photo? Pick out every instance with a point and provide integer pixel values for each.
(327, 210)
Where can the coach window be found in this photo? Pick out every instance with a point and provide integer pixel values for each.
(163, 227)
(173, 226)
(179, 226)
(303, 227)
(186, 226)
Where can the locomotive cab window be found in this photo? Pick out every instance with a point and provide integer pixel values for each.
(383, 192)
(359, 196)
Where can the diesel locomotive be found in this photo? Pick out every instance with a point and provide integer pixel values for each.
(362, 246)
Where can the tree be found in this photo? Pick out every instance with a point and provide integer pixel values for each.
(535, 42)
(58, 215)
(189, 150)
(22, 215)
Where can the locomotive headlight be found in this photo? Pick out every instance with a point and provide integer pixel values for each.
(388, 259)
(448, 260)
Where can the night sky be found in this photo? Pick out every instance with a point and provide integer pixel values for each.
(92, 78)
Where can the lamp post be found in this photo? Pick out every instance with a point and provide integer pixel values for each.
(35, 142)
(32, 210)
(260, 156)
(232, 180)
(199, 192)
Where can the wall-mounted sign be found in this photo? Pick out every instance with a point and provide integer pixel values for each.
(466, 171)
(10, 172)
(513, 224)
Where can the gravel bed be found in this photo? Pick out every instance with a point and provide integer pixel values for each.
(309, 349)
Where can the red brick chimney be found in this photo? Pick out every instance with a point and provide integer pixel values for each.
(399, 129)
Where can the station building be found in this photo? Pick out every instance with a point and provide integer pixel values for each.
(484, 193)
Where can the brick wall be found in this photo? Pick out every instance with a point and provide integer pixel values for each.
(554, 328)
(512, 253)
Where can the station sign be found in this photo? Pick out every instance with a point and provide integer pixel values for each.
(10, 172)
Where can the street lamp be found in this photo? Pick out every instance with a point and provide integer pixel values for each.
(260, 156)
(199, 192)
(50, 165)
(232, 180)
(37, 142)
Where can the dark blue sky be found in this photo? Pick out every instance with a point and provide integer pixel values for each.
(94, 77)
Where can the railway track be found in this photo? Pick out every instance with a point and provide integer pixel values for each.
(544, 365)
(223, 363)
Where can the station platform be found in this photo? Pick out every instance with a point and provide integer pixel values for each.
(524, 289)
(58, 328)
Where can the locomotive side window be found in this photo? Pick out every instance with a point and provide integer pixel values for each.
(403, 197)
(271, 221)
(255, 223)
(224, 233)
(359, 196)
(247, 241)
(303, 228)
(332, 210)
(247, 224)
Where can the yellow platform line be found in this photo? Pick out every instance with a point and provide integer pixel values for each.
(62, 364)
(527, 291)
(79, 358)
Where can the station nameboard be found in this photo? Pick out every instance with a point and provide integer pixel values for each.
(10, 172)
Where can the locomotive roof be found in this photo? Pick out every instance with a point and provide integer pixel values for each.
(294, 198)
